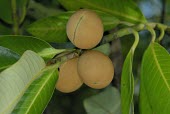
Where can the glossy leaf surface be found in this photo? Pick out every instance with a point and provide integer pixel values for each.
(7, 57)
(20, 44)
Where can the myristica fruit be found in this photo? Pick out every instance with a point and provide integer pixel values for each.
(95, 69)
(69, 79)
(84, 29)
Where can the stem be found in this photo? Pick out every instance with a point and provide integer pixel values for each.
(136, 35)
(126, 23)
(15, 17)
(62, 57)
(125, 31)
(122, 32)
(151, 30)
(162, 29)
(167, 30)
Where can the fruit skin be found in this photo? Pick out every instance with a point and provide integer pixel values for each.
(95, 69)
(84, 29)
(69, 79)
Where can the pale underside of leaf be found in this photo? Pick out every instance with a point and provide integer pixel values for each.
(17, 78)
(39, 93)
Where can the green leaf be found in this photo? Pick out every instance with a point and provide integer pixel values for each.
(21, 8)
(127, 84)
(124, 10)
(144, 105)
(7, 57)
(37, 10)
(109, 21)
(53, 29)
(20, 44)
(105, 49)
(6, 10)
(16, 79)
(155, 72)
(39, 93)
(106, 102)
(127, 79)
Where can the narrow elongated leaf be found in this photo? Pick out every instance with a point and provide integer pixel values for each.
(53, 29)
(124, 10)
(15, 80)
(155, 77)
(106, 102)
(20, 44)
(127, 84)
(39, 93)
(7, 57)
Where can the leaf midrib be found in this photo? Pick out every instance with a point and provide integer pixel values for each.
(32, 102)
(102, 107)
(19, 96)
(159, 68)
(21, 93)
(111, 11)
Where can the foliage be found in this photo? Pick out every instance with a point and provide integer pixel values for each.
(30, 59)
(53, 28)
(155, 78)
(17, 78)
(97, 105)
(39, 92)
(7, 57)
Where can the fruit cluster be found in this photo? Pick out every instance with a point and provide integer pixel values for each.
(85, 30)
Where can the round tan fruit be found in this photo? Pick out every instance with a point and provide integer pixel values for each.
(95, 69)
(69, 79)
(84, 29)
